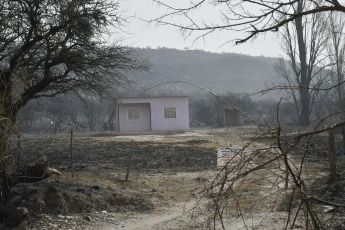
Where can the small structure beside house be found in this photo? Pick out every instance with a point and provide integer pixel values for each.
(228, 116)
(142, 114)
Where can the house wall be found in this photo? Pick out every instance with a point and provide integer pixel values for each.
(141, 125)
(181, 122)
(157, 105)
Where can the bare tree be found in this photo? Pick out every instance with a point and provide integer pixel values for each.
(273, 187)
(253, 17)
(233, 194)
(48, 48)
(203, 108)
(304, 41)
(52, 47)
(92, 110)
(109, 115)
(56, 113)
(336, 51)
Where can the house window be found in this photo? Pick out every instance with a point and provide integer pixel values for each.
(133, 114)
(170, 112)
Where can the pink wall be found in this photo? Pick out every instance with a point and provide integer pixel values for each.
(141, 125)
(157, 121)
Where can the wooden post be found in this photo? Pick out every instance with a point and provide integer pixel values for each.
(19, 142)
(117, 125)
(19, 150)
(71, 151)
(129, 161)
(343, 132)
(332, 154)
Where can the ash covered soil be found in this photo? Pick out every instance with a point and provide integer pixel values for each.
(168, 172)
(165, 169)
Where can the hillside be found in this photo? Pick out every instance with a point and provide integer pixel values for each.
(218, 72)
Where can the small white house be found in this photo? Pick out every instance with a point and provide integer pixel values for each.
(141, 114)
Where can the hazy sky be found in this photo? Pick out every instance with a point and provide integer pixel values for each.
(142, 34)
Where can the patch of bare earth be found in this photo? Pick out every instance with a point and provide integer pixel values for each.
(164, 171)
(168, 187)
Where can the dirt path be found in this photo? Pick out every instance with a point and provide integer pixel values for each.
(178, 215)
(164, 218)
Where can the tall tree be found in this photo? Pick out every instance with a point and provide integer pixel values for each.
(50, 47)
(304, 41)
(336, 51)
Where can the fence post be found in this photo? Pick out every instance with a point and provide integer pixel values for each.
(19, 145)
(71, 151)
(343, 133)
(129, 161)
(332, 154)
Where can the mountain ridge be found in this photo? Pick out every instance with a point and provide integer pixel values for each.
(218, 72)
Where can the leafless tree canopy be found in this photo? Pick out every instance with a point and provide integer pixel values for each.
(51, 47)
(304, 42)
(253, 17)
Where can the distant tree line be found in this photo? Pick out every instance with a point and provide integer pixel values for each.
(63, 113)
(203, 109)
(90, 114)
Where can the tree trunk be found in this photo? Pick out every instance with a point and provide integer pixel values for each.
(304, 81)
(6, 130)
(7, 127)
(8, 113)
(8, 160)
(6, 177)
(304, 116)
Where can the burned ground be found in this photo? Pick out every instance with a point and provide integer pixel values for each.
(100, 164)
(167, 172)
(99, 153)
